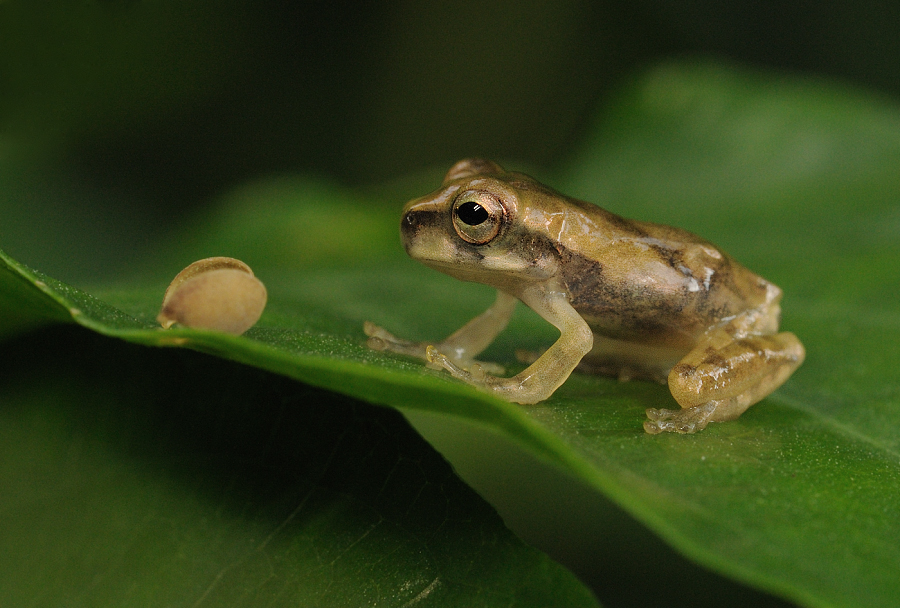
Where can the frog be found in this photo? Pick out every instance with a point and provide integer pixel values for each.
(630, 299)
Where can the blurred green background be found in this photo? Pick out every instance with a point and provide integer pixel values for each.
(118, 118)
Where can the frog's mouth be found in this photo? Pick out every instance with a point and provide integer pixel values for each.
(443, 256)
(463, 264)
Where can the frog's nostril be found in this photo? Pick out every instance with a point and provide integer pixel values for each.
(408, 224)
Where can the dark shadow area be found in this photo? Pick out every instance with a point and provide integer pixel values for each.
(138, 472)
(623, 562)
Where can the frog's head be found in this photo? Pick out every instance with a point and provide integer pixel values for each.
(472, 227)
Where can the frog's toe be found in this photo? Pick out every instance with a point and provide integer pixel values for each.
(379, 338)
(438, 360)
(473, 372)
(373, 330)
(435, 359)
(685, 421)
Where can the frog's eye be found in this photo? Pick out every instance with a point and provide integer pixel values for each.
(477, 216)
(471, 213)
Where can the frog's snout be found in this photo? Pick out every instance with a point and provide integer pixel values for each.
(408, 222)
(424, 228)
(414, 223)
(408, 228)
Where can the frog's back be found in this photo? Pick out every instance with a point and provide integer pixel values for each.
(646, 282)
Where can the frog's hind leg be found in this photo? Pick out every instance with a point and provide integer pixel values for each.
(723, 376)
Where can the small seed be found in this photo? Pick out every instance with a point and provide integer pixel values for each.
(216, 293)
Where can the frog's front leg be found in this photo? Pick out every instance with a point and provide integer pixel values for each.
(723, 376)
(550, 370)
(462, 346)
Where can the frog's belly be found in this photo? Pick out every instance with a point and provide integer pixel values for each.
(654, 329)
(613, 357)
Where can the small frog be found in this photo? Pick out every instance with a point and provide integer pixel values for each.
(630, 299)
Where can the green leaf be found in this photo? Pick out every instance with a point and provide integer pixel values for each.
(133, 476)
(797, 179)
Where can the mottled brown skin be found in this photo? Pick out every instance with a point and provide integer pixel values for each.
(630, 298)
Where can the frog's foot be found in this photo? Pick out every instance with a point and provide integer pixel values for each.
(382, 339)
(473, 375)
(472, 371)
(685, 421)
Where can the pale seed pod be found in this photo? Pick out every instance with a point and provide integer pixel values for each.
(216, 293)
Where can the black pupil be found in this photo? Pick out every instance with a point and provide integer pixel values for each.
(472, 213)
